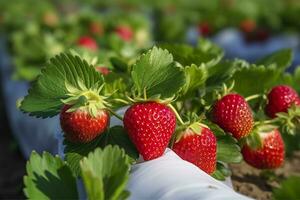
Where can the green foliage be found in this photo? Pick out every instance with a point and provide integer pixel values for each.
(195, 78)
(220, 73)
(49, 177)
(252, 79)
(155, 74)
(282, 59)
(206, 53)
(266, 73)
(289, 189)
(221, 172)
(45, 97)
(105, 173)
(228, 150)
(116, 135)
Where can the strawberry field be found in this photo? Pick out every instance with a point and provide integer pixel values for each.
(150, 99)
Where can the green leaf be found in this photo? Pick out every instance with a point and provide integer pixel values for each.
(156, 74)
(105, 173)
(116, 135)
(49, 177)
(221, 172)
(296, 79)
(116, 86)
(227, 149)
(119, 64)
(282, 59)
(220, 73)
(289, 189)
(74, 152)
(45, 95)
(252, 79)
(206, 53)
(195, 77)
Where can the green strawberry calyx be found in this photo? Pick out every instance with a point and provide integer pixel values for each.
(289, 121)
(255, 139)
(84, 99)
(225, 90)
(187, 130)
(145, 98)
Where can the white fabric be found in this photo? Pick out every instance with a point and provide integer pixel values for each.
(170, 177)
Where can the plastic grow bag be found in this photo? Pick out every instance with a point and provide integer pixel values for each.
(31, 133)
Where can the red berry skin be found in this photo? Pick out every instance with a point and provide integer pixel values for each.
(280, 99)
(80, 127)
(199, 149)
(88, 42)
(248, 26)
(150, 126)
(233, 114)
(205, 29)
(270, 156)
(103, 70)
(124, 32)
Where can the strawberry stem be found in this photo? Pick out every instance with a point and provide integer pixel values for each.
(121, 101)
(176, 114)
(116, 115)
(255, 96)
(271, 121)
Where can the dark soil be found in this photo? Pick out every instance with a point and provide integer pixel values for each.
(259, 184)
(12, 163)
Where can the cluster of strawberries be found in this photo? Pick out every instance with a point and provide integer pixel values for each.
(151, 125)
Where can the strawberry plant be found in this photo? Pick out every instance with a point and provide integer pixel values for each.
(174, 97)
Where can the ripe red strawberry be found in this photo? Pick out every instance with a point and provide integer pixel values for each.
(150, 126)
(198, 148)
(247, 26)
(262, 35)
(205, 29)
(270, 155)
(124, 32)
(80, 127)
(87, 42)
(233, 114)
(280, 99)
(103, 70)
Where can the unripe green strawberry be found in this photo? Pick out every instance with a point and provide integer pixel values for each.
(198, 148)
(280, 99)
(233, 114)
(81, 127)
(150, 126)
(270, 155)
